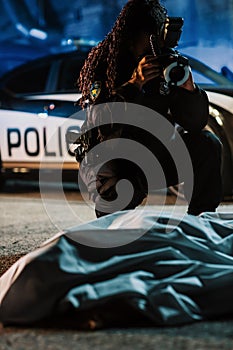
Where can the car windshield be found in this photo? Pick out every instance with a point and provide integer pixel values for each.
(200, 78)
(204, 75)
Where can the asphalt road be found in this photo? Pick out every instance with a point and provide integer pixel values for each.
(28, 217)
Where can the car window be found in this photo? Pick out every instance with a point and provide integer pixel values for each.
(205, 75)
(32, 80)
(69, 73)
(200, 78)
(9, 63)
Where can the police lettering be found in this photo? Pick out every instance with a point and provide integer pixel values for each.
(47, 153)
(29, 134)
(33, 143)
(13, 139)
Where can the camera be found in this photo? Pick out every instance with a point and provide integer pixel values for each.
(175, 66)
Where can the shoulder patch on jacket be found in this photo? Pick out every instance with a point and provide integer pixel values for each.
(95, 90)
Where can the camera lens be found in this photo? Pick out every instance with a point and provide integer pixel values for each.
(176, 74)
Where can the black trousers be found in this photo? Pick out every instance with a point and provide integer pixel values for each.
(203, 194)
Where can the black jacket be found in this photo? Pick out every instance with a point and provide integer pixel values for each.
(188, 109)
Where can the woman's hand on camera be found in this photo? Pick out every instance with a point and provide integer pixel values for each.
(189, 84)
(148, 68)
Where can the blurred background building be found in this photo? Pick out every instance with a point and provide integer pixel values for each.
(45, 24)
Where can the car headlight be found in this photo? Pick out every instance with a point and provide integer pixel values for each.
(216, 115)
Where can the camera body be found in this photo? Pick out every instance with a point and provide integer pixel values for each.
(175, 66)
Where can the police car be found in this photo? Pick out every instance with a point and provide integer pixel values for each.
(32, 134)
(37, 108)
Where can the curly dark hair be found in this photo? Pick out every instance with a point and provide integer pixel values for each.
(103, 60)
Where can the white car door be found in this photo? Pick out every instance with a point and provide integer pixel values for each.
(36, 140)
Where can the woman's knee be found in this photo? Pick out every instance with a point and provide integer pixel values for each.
(212, 141)
(203, 145)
